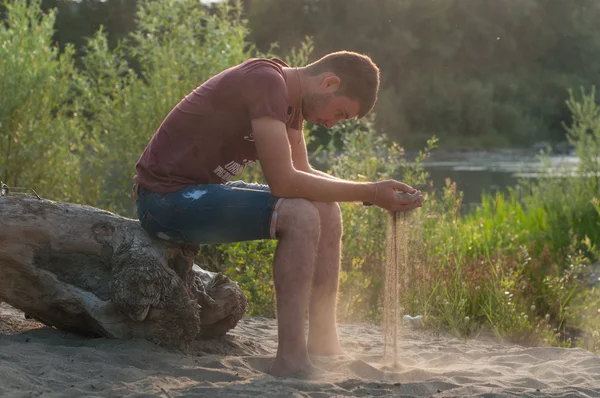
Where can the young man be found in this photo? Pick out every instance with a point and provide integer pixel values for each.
(255, 112)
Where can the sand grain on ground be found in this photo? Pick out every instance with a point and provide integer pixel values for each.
(40, 361)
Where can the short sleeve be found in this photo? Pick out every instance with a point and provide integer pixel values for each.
(264, 92)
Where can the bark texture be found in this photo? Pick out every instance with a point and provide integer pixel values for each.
(85, 270)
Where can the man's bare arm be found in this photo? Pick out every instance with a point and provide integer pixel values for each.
(285, 180)
(300, 154)
(323, 174)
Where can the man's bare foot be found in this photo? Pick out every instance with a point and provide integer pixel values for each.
(289, 367)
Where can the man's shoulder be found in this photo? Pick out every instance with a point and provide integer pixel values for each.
(263, 88)
(251, 73)
(262, 76)
(263, 65)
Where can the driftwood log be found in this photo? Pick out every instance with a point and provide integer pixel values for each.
(85, 270)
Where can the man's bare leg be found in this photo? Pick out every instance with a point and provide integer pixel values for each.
(322, 334)
(298, 234)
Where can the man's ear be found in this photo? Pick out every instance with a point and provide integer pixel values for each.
(331, 84)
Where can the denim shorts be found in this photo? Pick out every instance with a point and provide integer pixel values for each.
(210, 213)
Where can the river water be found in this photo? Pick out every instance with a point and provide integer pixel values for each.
(479, 172)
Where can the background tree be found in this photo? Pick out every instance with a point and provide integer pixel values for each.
(475, 73)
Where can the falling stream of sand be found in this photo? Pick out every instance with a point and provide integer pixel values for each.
(396, 281)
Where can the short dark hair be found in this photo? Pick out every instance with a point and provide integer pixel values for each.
(358, 74)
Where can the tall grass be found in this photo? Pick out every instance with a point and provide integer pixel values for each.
(519, 263)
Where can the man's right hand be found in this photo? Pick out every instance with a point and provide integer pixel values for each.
(387, 196)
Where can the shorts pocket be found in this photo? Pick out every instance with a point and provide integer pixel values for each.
(161, 231)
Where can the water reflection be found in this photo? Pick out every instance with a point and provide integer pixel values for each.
(480, 172)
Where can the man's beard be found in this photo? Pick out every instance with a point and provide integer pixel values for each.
(312, 102)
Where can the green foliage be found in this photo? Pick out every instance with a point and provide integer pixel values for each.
(37, 133)
(300, 56)
(250, 264)
(519, 262)
(584, 316)
(584, 135)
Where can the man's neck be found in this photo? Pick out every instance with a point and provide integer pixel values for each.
(293, 79)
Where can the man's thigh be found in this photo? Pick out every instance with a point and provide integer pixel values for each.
(210, 213)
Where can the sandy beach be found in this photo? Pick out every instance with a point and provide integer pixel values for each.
(39, 361)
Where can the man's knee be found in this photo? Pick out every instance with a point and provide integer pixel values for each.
(330, 216)
(298, 215)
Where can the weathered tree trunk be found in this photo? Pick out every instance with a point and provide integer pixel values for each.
(89, 271)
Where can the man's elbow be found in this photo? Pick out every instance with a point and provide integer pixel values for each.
(303, 166)
(285, 186)
(281, 190)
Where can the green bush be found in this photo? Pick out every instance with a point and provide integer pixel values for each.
(38, 134)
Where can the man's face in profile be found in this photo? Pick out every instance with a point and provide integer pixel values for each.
(327, 109)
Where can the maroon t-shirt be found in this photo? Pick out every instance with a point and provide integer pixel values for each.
(207, 138)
